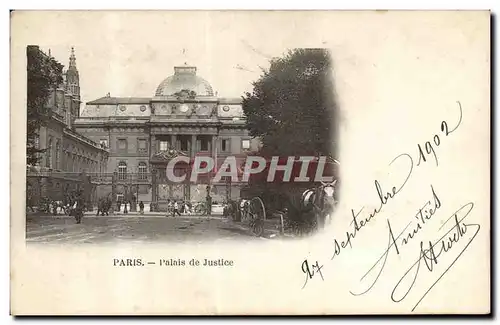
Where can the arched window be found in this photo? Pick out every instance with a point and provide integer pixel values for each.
(58, 155)
(122, 170)
(49, 154)
(143, 169)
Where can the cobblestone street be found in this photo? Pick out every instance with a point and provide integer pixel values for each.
(132, 229)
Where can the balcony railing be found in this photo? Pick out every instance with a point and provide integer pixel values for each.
(134, 177)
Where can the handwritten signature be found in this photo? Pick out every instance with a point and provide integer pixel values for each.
(430, 253)
(443, 245)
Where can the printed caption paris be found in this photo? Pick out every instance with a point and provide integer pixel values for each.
(135, 262)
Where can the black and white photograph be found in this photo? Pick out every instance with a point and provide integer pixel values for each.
(97, 167)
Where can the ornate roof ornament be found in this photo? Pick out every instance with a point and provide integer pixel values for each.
(185, 94)
(167, 155)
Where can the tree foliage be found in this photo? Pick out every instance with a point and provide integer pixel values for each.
(292, 108)
(293, 111)
(44, 74)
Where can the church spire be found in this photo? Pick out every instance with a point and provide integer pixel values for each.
(72, 59)
(72, 76)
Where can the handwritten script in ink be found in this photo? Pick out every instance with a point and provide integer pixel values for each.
(455, 229)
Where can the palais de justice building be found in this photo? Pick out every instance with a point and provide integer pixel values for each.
(184, 115)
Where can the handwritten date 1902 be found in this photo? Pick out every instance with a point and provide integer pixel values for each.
(436, 141)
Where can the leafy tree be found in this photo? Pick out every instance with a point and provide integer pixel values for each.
(292, 108)
(44, 74)
(293, 111)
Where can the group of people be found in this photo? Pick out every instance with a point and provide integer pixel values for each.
(127, 205)
(176, 207)
(74, 204)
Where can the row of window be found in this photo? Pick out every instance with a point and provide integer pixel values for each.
(123, 170)
(203, 144)
(70, 163)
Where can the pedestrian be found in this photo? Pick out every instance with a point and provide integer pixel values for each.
(79, 203)
(125, 206)
(209, 205)
(176, 209)
(141, 207)
(169, 207)
(186, 208)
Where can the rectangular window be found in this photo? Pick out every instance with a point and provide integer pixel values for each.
(122, 170)
(103, 143)
(184, 144)
(122, 144)
(204, 145)
(245, 144)
(224, 145)
(142, 145)
(142, 171)
(163, 145)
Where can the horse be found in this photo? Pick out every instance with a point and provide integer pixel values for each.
(244, 208)
(321, 200)
(230, 209)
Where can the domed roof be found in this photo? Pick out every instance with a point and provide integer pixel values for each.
(184, 78)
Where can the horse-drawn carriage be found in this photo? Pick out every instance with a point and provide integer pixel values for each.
(312, 212)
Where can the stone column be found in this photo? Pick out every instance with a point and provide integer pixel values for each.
(126, 197)
(87, 190)
(113, 191)
(213, 146)
(193, 145)
(152, 145)
(132, 192)
(136, 197)
(93, 198)
(154, 189)
(173, 141)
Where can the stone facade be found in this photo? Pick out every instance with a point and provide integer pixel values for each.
(183, 115)
(68, 153)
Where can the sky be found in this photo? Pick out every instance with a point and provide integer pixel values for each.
(129, 54)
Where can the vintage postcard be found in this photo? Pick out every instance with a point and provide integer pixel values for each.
(250, 162)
